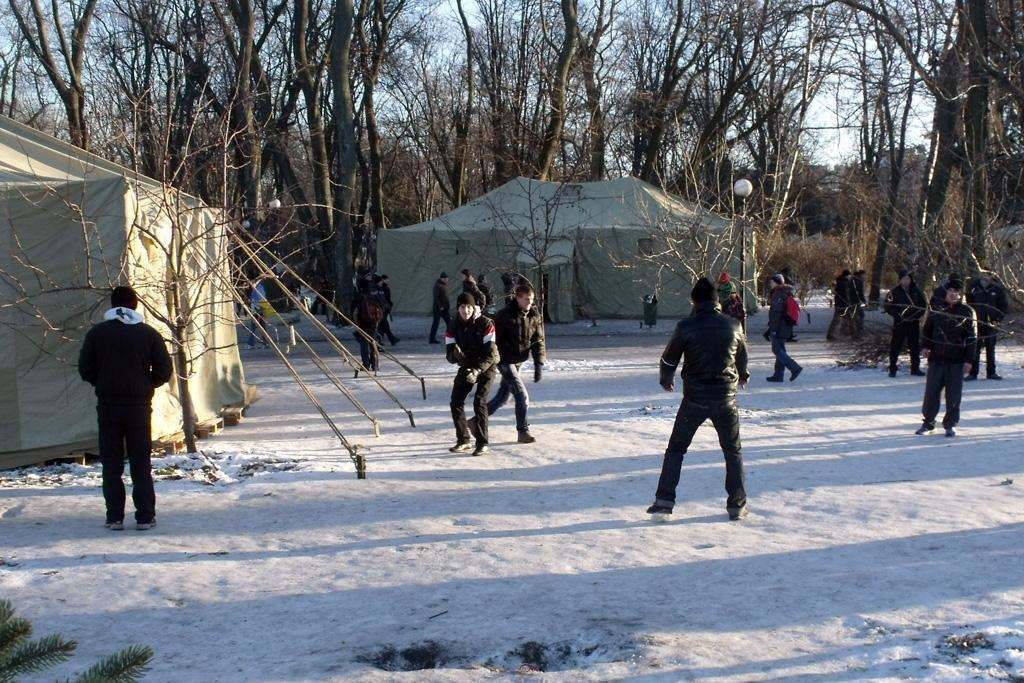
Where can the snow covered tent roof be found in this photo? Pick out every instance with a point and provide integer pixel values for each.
(585, 245)
(86, 224)
(563, 208)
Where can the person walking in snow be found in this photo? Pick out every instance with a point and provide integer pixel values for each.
(780, 329)
(384, 288)
(950, 339)
(125, 360)
(439, 306)
(714, 355)
(906, 304)
(520, 334)
(988, 299)
(470, 344)
(844, 297)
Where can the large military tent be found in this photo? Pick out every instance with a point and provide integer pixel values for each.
(593, 246)
(71, 226)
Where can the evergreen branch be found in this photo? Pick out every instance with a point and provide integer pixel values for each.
(13, 633)
(36, 656)
(126, 666)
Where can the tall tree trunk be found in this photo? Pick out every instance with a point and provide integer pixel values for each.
(975, 224)
(556, 116)
(344, 148)
(465, 120)
(249, 155)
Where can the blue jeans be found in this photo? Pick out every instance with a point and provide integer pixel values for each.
(782, 359)
(511, 383)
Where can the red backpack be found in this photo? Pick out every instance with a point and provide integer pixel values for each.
(793, 310)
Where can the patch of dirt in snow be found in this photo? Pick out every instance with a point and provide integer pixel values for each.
(995, 651)
(526, 657)
(205, 467)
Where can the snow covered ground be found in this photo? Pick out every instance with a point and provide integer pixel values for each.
(870, 553)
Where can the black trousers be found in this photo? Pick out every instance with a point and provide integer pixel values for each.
(385, 329)
(125, 430)
(904, 334)
(948, 377)
(986, 337)
(460, 391)
(725, 417)
(438, 317)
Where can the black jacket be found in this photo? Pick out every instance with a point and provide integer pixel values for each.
(441, 302)
(124, 362)
(470, 286)
(951, 333)
(714, 354)
(990, 303)
(385, 291)
(470, 344)
(858, 292)
(777, 320)
(905, 305)
(520, 334)
(845, 292)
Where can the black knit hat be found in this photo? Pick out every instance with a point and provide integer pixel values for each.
(703, 291)
(955, 283)
(466, 299)
(846, 273)
(124, 297)
(443, 275)
(904, 273)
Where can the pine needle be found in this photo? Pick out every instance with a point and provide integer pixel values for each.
(36, 656)
(126, 666)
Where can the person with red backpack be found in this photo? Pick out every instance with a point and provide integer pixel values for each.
(783, 315)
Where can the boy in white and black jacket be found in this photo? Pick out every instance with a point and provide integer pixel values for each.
(470, 344)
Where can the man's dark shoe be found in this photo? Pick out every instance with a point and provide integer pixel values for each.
(892, 373)
(461, 447)
(145, 526)
(925, 428)
(950, 432)
(970, 378)
(736, 514)
(660, 512)
(115, 526)
(993, 376)
(773, 378)
(481, 449)
(918, 373)
(795, 374)
(527, 437)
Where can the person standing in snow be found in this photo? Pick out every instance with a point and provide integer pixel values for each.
(384, 288)
(844, 297)
(520, 334)
(440, 306)
(726, 288)
(470, 286)
(988, 299)
(780, 329)
(470, 344)
(906, 304)
(950, 339)
(125, 360)
(714, 354)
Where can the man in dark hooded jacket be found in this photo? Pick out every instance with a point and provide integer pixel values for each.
(125, 359)
(988, 299)
(439, 306)
(907, 306)
(470, 344)
(714, 354)
(950, 337)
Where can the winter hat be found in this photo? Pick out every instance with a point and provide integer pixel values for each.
(124, 297)
(723, 278)
(903, 273)
(465, 271)
(778, 279)
(466, 299)
(955, 283)
(443, 275)
(703, 291)
(845, 273)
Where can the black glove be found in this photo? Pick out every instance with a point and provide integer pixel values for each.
(537, 370)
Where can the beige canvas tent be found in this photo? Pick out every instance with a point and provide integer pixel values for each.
(590, 243)
(71, 226)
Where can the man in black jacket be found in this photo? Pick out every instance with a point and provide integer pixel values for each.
(520, 331)
(384, 288)
(988, 299)
(125, 359)
(439, 306)
(714, 354)
(950, 341)
(906, 304)
(470, 344)
(844, 298)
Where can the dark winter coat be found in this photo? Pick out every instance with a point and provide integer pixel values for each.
(951, 333)
(905, 305)
(520, 334)
(471, 345)
(714, 354)
(385, 291)
(844, 292)
(858, 292)
(470, 287)
(441, 302)
(125, 362)
(990, 303)
(778, 323)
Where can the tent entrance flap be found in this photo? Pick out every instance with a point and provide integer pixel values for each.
(551, 269)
